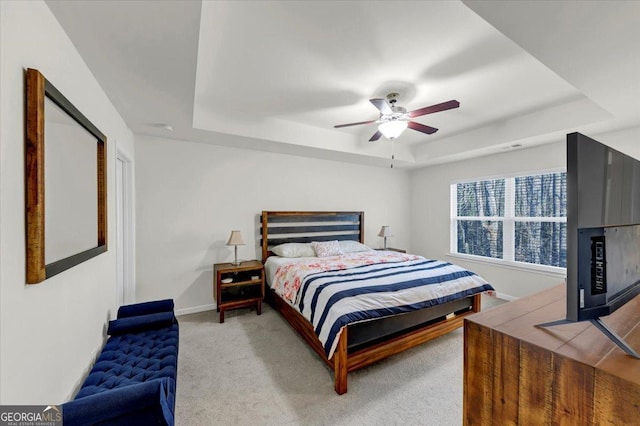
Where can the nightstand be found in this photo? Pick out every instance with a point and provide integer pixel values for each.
(238, 286)
(393, 249)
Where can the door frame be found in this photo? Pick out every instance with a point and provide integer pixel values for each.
(128, 219)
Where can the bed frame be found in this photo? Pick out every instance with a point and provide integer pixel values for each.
(359, 344)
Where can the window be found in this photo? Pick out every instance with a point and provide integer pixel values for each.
(516, 219)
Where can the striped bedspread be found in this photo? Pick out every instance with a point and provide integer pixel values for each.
(334, 292)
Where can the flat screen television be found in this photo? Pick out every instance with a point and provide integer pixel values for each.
(603, 232)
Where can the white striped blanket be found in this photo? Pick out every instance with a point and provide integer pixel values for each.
(332, 299)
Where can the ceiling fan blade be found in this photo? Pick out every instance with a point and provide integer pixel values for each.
(421, 127)
(382, 105)
(337, 126)
(375, 136)
(434, 108)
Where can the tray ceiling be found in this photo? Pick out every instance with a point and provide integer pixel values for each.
(276, 76)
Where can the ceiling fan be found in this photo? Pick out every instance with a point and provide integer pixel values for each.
(394, 119)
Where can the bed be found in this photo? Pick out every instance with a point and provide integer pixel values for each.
(380, 320)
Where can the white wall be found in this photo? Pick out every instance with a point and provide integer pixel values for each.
(49, 332)
(626, 140)
(430, 204)
(191, 195)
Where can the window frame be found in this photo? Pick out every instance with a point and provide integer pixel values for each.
(508, 224)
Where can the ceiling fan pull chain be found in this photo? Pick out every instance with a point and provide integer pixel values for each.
(393, 156)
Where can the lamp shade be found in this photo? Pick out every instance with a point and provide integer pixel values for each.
(235, 239)
(392, 129)
(385, 231)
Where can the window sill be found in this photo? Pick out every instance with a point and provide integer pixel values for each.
(551, 271)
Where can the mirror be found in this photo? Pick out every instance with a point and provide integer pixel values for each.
(66, 172)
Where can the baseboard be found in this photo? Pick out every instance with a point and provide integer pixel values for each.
(195, 309)
(506, 297)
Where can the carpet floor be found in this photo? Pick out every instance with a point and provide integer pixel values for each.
(256, 370)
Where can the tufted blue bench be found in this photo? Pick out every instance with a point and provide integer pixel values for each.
(133, 381)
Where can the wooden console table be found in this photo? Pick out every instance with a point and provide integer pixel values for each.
(515, 373)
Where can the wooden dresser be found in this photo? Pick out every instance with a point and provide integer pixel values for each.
(515, 373)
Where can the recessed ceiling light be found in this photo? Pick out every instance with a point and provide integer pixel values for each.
(165, 126)
(513, 146)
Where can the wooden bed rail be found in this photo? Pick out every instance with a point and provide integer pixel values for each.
(344, 362)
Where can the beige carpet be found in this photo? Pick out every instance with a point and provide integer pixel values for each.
(256, 370)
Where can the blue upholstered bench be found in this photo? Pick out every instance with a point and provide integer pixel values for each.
(133, 381)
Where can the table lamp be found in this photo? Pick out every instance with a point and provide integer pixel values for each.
(385, 232)
(235, 239)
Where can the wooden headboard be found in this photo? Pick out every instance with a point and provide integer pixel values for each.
(303, 227)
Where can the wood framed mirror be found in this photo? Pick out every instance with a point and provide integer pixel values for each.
(66, 186)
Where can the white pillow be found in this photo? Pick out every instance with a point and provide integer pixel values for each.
(327, 248)
(349, 246)
(294, 250)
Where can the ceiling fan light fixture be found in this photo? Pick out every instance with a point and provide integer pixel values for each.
(392, 129)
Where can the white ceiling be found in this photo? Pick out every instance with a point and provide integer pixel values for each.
(278, 75)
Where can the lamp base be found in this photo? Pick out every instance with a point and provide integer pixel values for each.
(236, 262)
